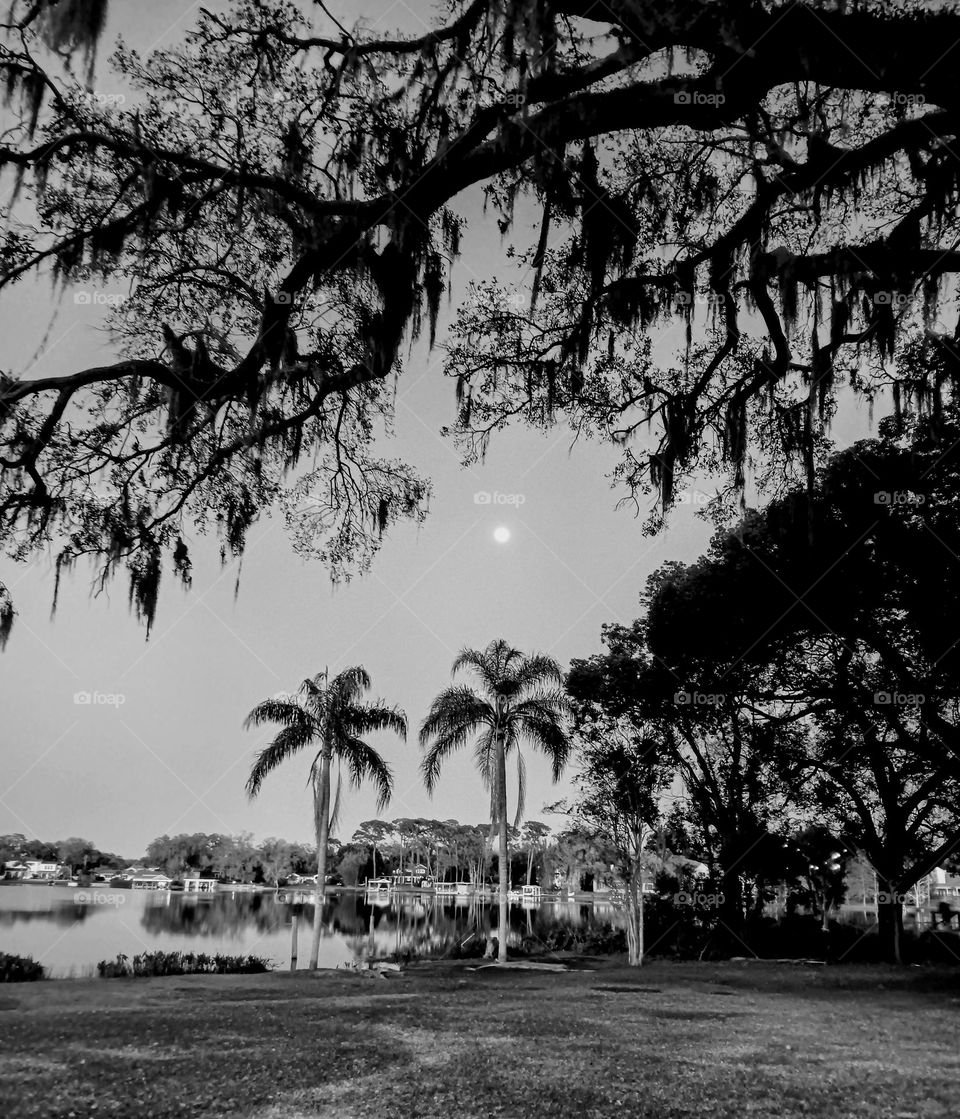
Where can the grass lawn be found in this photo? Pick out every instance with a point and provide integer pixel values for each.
(442, 1041)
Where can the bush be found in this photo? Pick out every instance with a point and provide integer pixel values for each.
(180, 963)
(19, 969)
(598, 940)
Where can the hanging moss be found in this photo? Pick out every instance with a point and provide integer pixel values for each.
(145, 570)
(433, 284)
(182, 564)
(75, 25)
(7, 614)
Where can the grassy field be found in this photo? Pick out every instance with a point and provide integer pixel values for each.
(670, 1040)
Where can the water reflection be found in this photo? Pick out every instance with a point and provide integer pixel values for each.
(70, 931)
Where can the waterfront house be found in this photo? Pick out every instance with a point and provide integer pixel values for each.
(416, 876)
(43, 869)
(199, 885)
(150, 881)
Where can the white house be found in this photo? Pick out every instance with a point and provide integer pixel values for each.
(40, 868)
(199, 885)
(150, 881)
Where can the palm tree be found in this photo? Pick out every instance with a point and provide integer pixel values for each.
(520, 700)
(330, 714)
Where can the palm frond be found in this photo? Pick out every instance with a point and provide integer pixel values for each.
(363, 762)
(288, 742)
(538, 670)
(472, 658)
(334, 817)
(484, 755)
(283, 711)
(553, 704)
(548, 735)
(456, 714)
(350, 685)
(521, 788)
(375, 716)
(455, 706)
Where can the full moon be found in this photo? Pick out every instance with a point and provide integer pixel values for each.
(501, 534)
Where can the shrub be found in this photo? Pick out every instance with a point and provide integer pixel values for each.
(598, 940)
(180, 963)
(19, 969)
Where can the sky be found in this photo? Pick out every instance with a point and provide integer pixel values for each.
(168, 753)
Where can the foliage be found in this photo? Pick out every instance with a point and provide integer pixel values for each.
(596, 940)
(19, 969)
(812, 664)
(180, 963)
(780, 178)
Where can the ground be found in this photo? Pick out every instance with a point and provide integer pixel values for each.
(669, 1040)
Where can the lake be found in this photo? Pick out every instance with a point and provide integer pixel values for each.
(70, 930)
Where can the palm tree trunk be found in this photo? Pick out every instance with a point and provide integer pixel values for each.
(504, 859)
(323, 834)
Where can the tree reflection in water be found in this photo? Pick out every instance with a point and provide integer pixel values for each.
(412, 924)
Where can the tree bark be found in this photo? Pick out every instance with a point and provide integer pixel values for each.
(889, 921)
(634, 919)
(504, 860)
(323, 835)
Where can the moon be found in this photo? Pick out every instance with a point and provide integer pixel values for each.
(501, 534)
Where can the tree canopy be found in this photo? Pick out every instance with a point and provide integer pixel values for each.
(270, 207)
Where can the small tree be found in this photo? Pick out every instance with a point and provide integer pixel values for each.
(623, 772)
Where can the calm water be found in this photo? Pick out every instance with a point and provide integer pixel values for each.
(69, 930)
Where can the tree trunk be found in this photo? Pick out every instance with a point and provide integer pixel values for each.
(323, 834)
(634, 919)
(889, 921)
(530, 867)
(729, 932)
(504, 860)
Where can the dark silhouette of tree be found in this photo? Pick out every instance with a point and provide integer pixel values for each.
(276, 201)
(841, 604)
